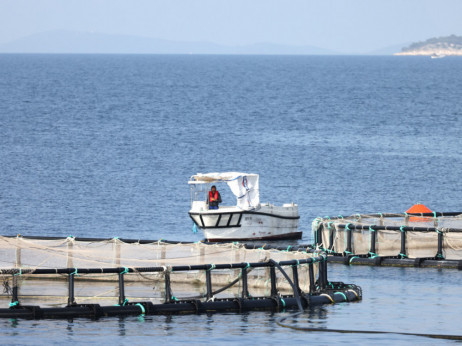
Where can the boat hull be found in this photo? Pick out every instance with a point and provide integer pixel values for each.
(231, 224)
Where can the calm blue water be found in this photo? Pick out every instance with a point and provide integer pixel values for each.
(104, 145)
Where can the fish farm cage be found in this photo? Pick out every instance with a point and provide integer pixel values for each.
(51, 277)
(408, 239)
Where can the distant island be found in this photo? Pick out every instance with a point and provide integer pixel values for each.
(438, 46)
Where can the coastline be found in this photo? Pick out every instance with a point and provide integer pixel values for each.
(429, 52)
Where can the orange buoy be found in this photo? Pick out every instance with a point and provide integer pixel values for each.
(418, 209)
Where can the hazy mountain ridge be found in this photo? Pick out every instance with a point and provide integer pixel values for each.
(446, 45)
(82, 42)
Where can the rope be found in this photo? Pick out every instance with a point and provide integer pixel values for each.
(342, 294)
(356, 294)
(123, 304)
(143, 311)
(352, 258)
(19, 274)
(74, 272)
(280, 323)
(328, 296)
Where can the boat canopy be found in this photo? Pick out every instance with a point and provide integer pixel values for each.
(245, 186)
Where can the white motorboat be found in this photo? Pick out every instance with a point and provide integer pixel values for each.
(248, 219)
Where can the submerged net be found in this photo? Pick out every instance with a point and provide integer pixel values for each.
(425, 235)
(27, 256)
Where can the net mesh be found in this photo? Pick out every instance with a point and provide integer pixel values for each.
(421, 235)
(52, 289)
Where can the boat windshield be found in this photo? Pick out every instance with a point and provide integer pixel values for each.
(199, 192)
(245, 187)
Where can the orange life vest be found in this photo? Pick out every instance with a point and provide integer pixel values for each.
(211, 196)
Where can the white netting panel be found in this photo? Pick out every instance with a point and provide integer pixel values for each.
(452, 246)
(421, 244)
(97, 288)
(388, 242)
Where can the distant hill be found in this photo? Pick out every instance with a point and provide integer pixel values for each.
(448, 45)
(83, 42)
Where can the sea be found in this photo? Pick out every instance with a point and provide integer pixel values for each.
(104, 145)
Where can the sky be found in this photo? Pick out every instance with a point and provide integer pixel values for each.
(344, 25)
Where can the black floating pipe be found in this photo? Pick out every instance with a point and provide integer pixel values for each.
(439, 254)
(148, 308)
(274, 290)
(245, 289)
(124, 240)
(208, 283)
(384, 215)
(403, 243)
(324, 263)
(121, 288)
(430, 262)
(295, 278)
(156, 269)
(373, 239)
(304, 248)
(14, 297)
(398, 228)
(168, 290)
(311, 275)
(321, 276)
(71, 298)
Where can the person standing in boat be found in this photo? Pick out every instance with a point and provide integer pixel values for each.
(214, 198)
